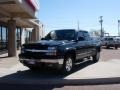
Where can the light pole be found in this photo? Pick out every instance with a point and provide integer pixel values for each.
(78, 24)
(101, 21)
(118, 27)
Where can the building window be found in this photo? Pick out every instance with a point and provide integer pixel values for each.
(18, 37)
(3, 38)
(27, 36)
(0, 38)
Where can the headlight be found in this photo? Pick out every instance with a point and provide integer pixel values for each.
(52, 51)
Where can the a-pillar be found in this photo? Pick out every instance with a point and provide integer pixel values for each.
(12, 48)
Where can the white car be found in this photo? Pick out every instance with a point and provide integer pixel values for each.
(110, 42)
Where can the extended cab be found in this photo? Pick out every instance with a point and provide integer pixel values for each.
(60, 48)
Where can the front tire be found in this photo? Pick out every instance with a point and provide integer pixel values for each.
(116, 47)
(107, 47)
(68, 64)
(96, 57)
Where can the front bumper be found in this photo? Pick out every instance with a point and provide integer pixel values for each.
(49, 61)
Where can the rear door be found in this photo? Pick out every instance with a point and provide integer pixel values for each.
(81, 49)
(89, 44)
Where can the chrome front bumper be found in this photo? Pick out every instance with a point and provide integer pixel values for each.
(52, 61)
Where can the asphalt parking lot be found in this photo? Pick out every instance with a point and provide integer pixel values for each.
(104, 74)
(107, 67)
(108, 54)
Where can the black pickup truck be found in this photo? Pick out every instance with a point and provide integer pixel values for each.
(60, 48)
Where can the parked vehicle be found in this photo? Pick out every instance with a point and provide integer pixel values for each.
(60, 48)
(110, 42)
(118, 40)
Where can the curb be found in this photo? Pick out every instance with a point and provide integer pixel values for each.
(97, 81)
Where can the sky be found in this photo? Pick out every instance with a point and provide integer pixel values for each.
(64, 14)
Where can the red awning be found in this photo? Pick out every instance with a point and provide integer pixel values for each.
(33, 4)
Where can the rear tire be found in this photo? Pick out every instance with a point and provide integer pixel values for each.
(107, 47)
(96, 57)
(116, 47)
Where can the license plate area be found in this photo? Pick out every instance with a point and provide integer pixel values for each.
(31, 62)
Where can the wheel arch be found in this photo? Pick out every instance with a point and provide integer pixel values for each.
(70, 52)
(98, 48)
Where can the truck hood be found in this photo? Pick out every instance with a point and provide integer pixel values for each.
(52, 42)
(44, 44)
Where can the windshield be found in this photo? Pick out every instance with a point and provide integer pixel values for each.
(61, 35)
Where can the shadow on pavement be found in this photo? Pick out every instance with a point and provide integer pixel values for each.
(4, 57)
(52, 78)
(110, 48)
(45, 73)
(3, 54)
(30, 87)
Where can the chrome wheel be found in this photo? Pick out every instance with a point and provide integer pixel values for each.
(69, 64)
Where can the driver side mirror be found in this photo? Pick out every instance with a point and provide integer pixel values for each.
(42, 38)
(81, 38)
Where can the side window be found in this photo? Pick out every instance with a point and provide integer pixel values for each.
(81, 36)
(48, 36)
(87, 36)
(51, 35)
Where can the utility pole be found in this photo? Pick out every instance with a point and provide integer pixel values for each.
(118, 27)
(101, 22)
(78, 25)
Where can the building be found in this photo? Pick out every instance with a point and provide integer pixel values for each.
(18, 24)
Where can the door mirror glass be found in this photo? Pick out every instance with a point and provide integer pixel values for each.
(42, 38)
(81, 38)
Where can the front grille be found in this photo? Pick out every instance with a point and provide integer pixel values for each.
(34, 55)
(36, 46)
